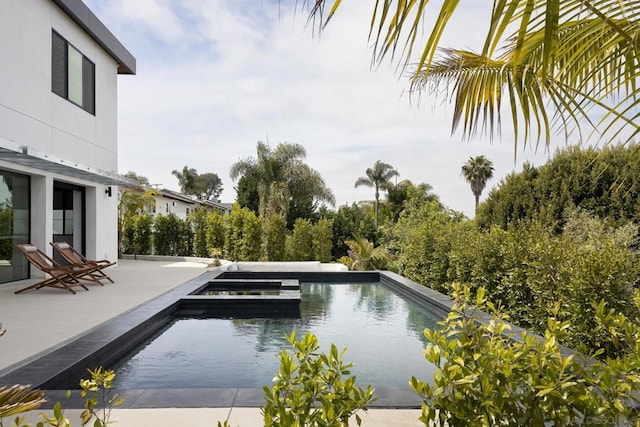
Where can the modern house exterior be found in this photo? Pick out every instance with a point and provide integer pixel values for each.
(58, 130)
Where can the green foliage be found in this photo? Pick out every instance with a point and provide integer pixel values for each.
(251, 245)
(603, 182)
(97, 406)
(313, 388)
(422, 240)
(322, 233)
(142, 233)
(172, 236)
(348, 221)
(274, 237)
(301, 247)
(378, 177)
(485, 378)
(528, 270)
(247, 192)
(281, 179)
(365, 256)
(243, 239)
(215, 229)
(133, 201)
(198, 218)
(137, 234)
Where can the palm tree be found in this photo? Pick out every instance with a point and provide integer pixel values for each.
(378, 177)
(563, 59)
(477, 171)
(365, 256)
(282, 177)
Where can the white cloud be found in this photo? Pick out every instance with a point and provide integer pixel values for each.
(216, 76)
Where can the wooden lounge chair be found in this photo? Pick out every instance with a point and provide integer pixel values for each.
(60, 277)
(77, 260)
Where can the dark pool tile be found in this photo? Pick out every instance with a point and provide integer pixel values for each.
(186, 398)
(396, 398)
(249, 397)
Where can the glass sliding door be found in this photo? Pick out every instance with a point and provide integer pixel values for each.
(14, 225)
(68, 216)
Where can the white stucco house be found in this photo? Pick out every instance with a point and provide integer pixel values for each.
(168, 201)
(58, 130)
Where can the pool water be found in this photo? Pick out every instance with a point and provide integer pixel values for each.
(383, 333)
(254, 292)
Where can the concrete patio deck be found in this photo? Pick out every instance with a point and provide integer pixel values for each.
(39, 321)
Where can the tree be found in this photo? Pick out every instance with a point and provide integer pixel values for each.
(133, 201)
(566, 56)
(477, 171)
(365, 256)
(604, 182)
(211, 184)
(405, 193)
(142, 180)
(282, 177)
(188, 181)
(378, 177)
(247, 191)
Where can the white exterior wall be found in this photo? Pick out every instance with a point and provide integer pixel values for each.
(177, 207)
(32, 115)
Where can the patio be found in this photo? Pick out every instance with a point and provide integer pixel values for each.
(39, 321)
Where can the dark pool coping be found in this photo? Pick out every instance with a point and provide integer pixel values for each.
(109, 342)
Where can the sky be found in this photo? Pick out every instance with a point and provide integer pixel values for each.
(216, 76)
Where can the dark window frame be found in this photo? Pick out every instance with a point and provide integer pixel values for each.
(60, 73)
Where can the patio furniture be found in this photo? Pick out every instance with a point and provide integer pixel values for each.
(60, 277)
(77, 260)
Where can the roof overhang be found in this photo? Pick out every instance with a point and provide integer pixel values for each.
(31, 157)
(82, 15)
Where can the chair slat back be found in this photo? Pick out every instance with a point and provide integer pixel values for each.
(36, 256)
(69, 253)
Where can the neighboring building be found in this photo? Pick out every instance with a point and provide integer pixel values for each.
(168, 201)
(58, 130)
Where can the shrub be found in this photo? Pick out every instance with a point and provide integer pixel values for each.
(310, 388)
(485, 378)
(215, 232)
(198, 218)
(142, 233)
(273, 237)
(301, 241)
(321, 240)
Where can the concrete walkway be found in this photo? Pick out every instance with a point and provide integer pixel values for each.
(41, 320)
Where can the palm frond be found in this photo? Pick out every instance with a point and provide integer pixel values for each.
(18, 399)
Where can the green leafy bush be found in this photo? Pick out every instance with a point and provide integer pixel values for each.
(215, 232)
(322, 233)
(198, 218)
(310, 388)
(484, 378)
(301, 247)
(273, 237)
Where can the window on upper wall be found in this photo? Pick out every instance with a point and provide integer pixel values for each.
(72, 74)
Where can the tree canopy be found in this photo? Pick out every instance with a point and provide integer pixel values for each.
(208, 185)
(378, 177)
(603, 181)
(283, 179)
(477, 171)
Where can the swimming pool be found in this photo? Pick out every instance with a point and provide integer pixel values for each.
(382, 330)
(61, 367)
